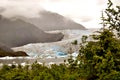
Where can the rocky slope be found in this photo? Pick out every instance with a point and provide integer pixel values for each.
(6, 51)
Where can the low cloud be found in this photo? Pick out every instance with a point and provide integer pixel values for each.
(74, 9)
(101, 2)
(86, 18)
(27, 8)
(2, 9)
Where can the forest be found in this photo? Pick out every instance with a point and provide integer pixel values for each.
(98, 59)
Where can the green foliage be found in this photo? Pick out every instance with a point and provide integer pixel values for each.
(38, 72)
(75, 42)
(112, 19)
(98, 59)
(101, 56)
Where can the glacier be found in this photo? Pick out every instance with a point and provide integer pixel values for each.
(49, 53)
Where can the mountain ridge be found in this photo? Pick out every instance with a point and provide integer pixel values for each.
(49, 21)
(17, 32)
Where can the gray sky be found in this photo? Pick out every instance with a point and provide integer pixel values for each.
(85, 12)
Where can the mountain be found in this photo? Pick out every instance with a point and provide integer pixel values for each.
(49, 21)
(14, 33)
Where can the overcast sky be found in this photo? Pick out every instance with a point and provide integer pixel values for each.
(85, 12)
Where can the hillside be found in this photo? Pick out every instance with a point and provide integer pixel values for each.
(15, 33)
(49, 21)
(6, 51)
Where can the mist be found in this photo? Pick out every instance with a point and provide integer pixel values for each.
(26, 8)
(87, 12)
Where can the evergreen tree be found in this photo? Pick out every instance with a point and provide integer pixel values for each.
(100, 58)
